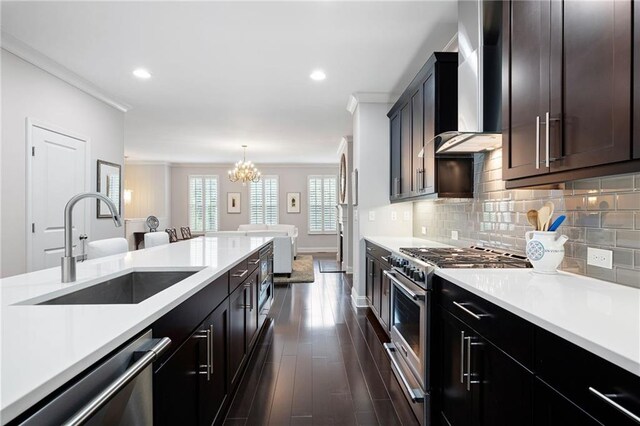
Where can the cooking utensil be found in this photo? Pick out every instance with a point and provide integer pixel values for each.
(532, 218)
(556, 223)
(551, 208)
(544, 214)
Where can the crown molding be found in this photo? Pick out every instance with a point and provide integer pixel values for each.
(38, 59)
(369, 98)
(260, 166)
(146, 163)
(343, 143)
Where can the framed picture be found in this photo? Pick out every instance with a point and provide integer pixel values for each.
(293, 202)
(233, 202)
(109, 184)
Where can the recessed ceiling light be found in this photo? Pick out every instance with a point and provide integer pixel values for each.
(142, 73)
(318, 75)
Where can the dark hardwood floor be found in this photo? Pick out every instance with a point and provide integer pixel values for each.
(319, 363)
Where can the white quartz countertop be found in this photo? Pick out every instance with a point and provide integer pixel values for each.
(599, 316)
(43, 347)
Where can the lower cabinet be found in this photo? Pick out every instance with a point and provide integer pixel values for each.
(481, 385)
(385, 299)
(236, 333)
(553, 409)
(251, 308)
(214, 387)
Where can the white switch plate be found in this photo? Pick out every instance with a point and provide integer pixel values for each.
(394, 215)
(424, 230)
(372, 216)
(454, 235)
(407, 215)
(599, 257)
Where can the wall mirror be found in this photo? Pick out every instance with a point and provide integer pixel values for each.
(109, 184)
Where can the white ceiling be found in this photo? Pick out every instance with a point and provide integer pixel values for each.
(233, 73)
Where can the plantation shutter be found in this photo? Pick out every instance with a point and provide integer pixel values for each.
(203, 203)
(263, 201)
(255, 203)
(322, 204)
(329, 203)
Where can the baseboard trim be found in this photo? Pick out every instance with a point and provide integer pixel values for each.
(358, 302)
(317, 250)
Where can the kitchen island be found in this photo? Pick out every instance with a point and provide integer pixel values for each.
(45, 346)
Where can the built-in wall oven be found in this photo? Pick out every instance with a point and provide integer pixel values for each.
(410, 322)
(265, 284)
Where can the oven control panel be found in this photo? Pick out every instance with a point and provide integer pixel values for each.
(415, 271)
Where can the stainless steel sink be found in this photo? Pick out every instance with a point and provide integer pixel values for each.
(127, 289)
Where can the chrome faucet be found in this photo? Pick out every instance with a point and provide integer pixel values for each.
(69, 261)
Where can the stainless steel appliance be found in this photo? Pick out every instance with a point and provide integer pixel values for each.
(265, 284)
(119, 391)
(411, 338)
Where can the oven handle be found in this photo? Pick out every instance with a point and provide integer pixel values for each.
(117, 385)
(416, 395)
(406, 290)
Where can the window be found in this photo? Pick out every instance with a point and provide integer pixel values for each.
(263, 201)
(203, 203)
(322, 204)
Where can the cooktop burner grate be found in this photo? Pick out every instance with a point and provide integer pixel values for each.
(473, 257)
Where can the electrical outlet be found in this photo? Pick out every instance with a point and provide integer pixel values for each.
(454, 235)
(394, 215)
(407, 215)
(424, 230)
(372, 216)
(600, 258)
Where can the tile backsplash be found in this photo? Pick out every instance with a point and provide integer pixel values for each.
(602, 213)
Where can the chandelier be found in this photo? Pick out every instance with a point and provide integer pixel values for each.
(244, 171)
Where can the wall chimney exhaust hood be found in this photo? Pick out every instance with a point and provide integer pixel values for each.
(479, 80)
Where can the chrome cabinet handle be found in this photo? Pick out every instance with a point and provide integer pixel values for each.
(473, 314)
(250, 287)
(206, 334)
(615, 405)
(210, 349)
(405, 289)
(92, 407)
(386, 259)
(254, 262)
(546, 121)
(416, 395)
(537, 142)
(462, 338)
(468, 339)
(240, 274)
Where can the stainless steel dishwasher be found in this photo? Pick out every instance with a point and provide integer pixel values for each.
(119, 391)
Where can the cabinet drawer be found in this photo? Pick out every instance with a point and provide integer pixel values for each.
(253, 262)
(180, 322)
(505, 330)
(238, 274)
(592, 383)
(378, 252)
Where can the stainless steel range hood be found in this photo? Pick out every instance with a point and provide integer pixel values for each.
(479, 80)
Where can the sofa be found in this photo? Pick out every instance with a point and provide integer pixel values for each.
(282, 246)
(291, 231)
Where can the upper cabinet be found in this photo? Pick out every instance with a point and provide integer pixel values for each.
(567, 89)
(427, 107)
(636, 81)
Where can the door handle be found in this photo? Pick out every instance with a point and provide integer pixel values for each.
(546, 126)
(462, 339)
(240, 274)
(250, 287)
(473, 314)
(615, 405)
(206, 334)
(537, 142)
(416, 395)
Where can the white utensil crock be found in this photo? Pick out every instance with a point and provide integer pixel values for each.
(545, 250)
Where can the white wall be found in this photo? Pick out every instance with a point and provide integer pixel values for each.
(371, 158)
(28, 91)
(291, 178)
(151, 191)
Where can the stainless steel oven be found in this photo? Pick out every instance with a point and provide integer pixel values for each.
(265, 284)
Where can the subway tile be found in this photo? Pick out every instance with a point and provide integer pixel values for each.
(600, 202)
(603, 237)
(628, 277)
(577, 235)
(601, 273)
(630, 239)
(589, 220)
(617, 220)
(623, 257)
(637, 220)
(630, 201)
(636, 260)
(617, 184)
(637, 185)
(591, 186)
(575, 203)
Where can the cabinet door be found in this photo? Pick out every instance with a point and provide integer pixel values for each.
(406, 147)
(526, 95)
(429, 132)
(369, 271)
(396, 155)
(456, 406)
(502, 389)
(385, 299)
(175, 385)
(417, 118)
(636, 79)
(590, 92)
(236, 333)
(550, 408)
(377, 284)
(214, 388)
(251, 310)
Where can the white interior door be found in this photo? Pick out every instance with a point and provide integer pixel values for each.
(58, 172)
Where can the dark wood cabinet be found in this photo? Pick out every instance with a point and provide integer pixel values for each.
(567, 101)
(251, 309)
(378, 285)
(553, 409)
(385, 297)
(426, 108)
(236, 334)
(213, 387)
(636, 79)
(373, 283)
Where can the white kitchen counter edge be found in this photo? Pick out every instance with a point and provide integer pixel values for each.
(206, 275)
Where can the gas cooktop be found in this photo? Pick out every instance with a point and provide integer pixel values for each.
(473, 257)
